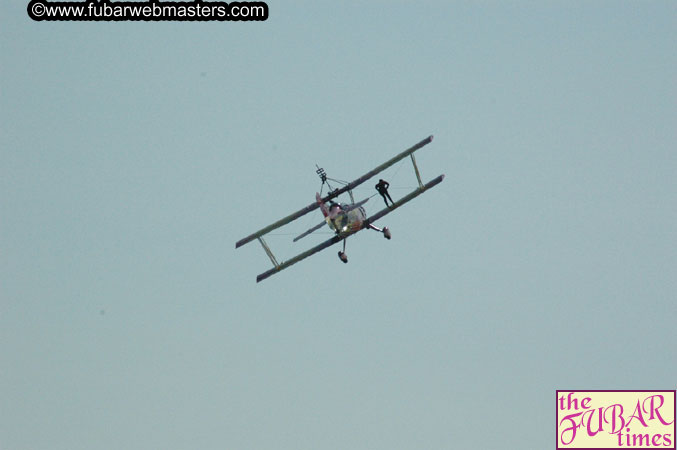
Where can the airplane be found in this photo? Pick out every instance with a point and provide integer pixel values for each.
(345, 219)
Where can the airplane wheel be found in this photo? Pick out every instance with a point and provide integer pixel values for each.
(386, 233)
(343, 257)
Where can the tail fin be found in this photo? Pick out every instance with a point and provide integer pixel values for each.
(306, 233)
(323, 207)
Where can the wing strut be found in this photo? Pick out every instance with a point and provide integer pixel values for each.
(418, 175)
(268, 252)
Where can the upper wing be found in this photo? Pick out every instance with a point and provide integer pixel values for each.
(334, 194)
(378, 169)
(277, 224)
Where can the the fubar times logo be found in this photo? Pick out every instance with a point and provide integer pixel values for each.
(606, 420)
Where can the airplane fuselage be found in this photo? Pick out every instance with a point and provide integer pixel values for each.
(342, 221)
(342, 218)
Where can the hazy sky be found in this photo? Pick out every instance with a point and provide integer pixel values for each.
(134, 155)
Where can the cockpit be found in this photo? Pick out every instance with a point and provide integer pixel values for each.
(335, 207)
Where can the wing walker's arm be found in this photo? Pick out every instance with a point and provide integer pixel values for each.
(335, 194)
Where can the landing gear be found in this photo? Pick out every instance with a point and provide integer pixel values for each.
(342, 255)
(386, 234)
(385, 230)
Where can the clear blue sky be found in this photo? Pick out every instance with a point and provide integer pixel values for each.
(134, 155)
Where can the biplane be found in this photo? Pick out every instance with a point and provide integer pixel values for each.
(345, 219)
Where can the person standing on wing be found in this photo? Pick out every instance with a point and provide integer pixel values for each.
(382, 188)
